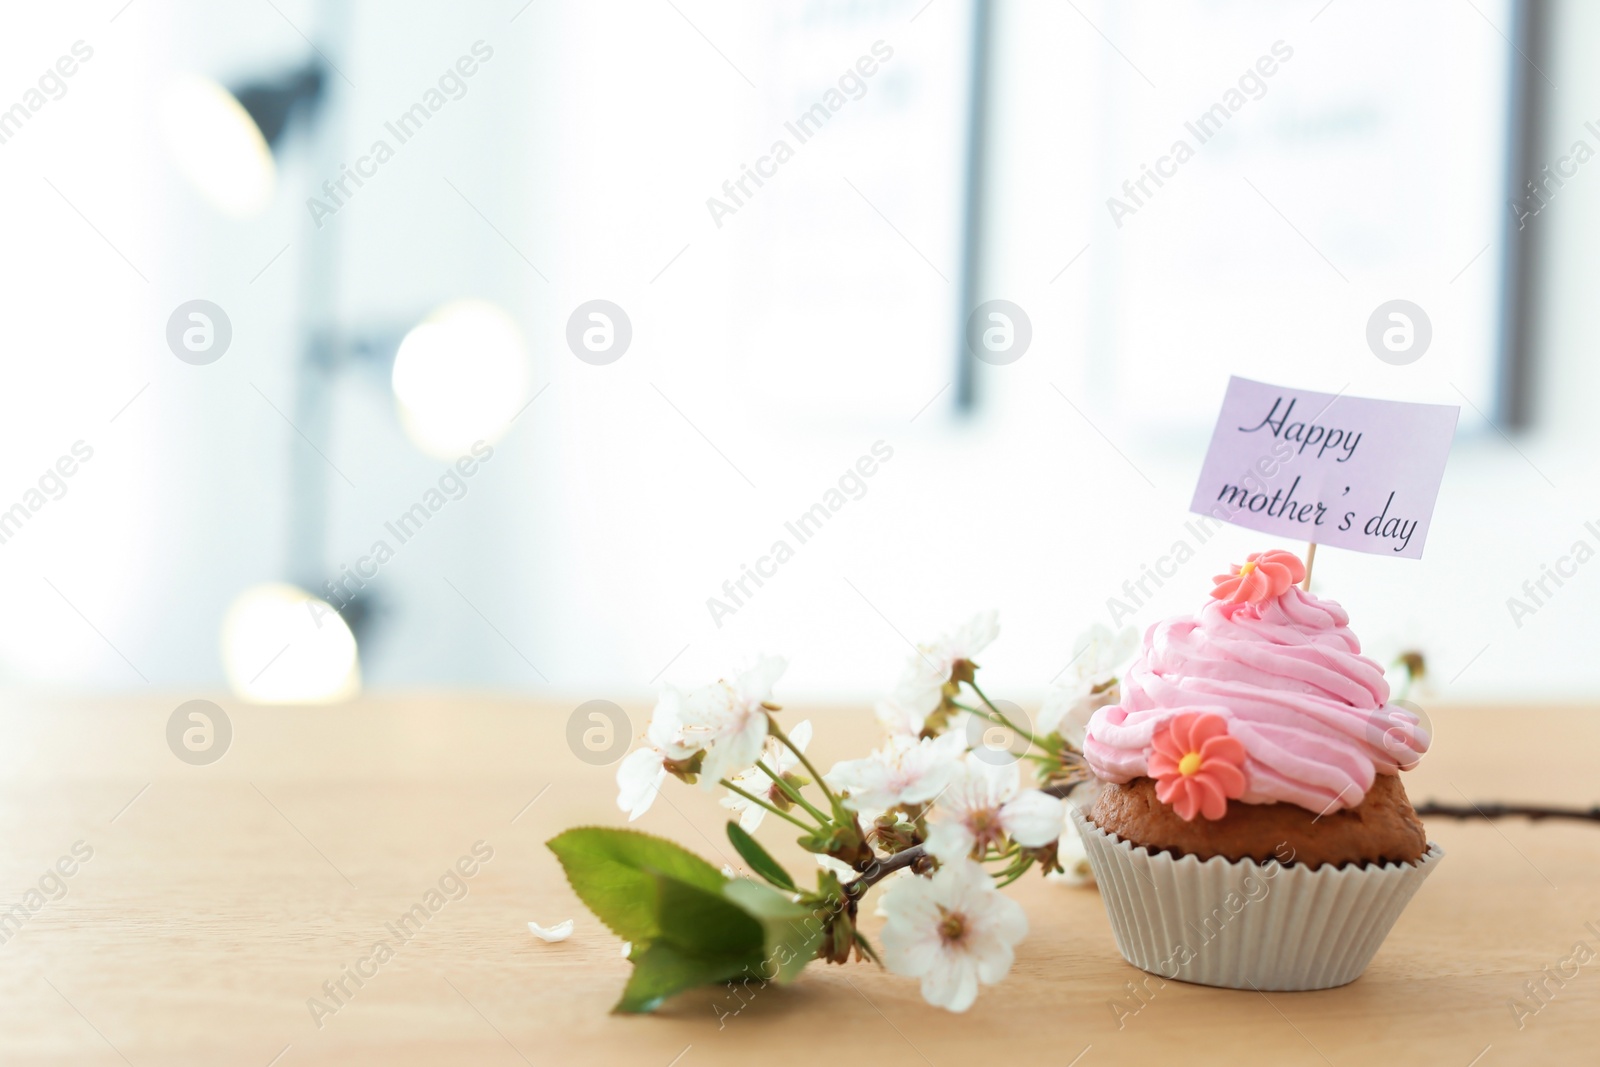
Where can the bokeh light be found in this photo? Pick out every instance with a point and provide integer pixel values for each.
(459, 377)
(217, 146)
(281, 645)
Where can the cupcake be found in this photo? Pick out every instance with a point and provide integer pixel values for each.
(1252, 830)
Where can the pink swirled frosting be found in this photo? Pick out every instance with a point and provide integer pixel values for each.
(1288, 676)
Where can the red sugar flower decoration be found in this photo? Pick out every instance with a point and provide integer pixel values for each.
(1196, 765)
(1264, 576)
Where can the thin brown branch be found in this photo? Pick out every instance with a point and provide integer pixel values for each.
(883, 868)
(1496, 810)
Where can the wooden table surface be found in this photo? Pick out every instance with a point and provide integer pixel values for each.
(218, 899)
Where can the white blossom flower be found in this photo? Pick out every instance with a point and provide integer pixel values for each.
(983, 804)
(727, 720)
(896, 714)
(559, 932)
(756, 781)
(921, 690)
(905, 770)
(640, 774)
(1098, 659)
(952, 930)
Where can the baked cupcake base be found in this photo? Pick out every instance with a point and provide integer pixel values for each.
(1383, 828)
(1240, 924)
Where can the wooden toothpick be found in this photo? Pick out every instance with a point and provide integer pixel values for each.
(1311, 556)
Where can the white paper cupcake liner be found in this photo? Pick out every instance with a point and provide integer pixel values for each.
(1246, 925)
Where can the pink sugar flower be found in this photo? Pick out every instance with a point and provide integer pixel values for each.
(1196, 765)
(1263, 576)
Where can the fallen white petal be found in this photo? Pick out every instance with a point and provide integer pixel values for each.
(559, 932)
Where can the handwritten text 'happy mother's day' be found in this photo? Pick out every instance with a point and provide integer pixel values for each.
(1345, 471)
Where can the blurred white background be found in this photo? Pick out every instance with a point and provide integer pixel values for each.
(772, 346)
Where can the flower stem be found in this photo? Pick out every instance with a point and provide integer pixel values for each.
(790, 791)
(752, 798)
(990, 855)
(816, 775)
(1002, 717)
(1006, 877)
(986, 717)
(979, 712)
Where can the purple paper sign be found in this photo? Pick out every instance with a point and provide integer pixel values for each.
(1338, 470)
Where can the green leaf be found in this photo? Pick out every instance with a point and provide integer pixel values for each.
(705, 937)
(663, 969)
(759, 859)
(689, 925)
(791, 931)
(706, 923)
(614, 874)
